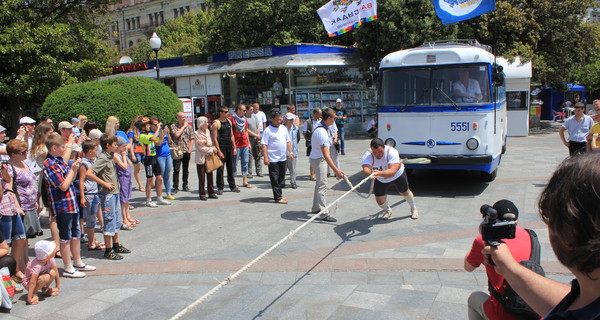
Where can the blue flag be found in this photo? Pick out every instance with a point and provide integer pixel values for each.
(451, 11)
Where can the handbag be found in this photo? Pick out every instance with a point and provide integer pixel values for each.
(176, 152)
(213, 162)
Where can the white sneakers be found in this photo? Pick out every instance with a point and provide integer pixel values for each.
(163, 202)
(387, 214)
(74, 274)
(414, 213)
(151, 204)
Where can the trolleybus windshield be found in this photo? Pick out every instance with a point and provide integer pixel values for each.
(436, 86)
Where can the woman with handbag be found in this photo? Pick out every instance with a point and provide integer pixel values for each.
(205, 153)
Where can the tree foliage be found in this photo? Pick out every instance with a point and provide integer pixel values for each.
(123, 97)
(45, 44)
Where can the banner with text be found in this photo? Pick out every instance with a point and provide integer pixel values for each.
(341, 16)
(451, 11)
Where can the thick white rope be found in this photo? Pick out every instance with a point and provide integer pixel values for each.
(262, 255)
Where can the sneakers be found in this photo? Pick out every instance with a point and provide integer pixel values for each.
(84, 239)
(236, 190)
(260, 175)
(163, 202)
(219, 192)
(329, 219)
(151, 204)
(294, 186)
(186, 189)
(112, 255)
(86, 267)
(121, 249)
(387, 214)
(174, 190)
(74, 274)
(414, 213)
(170, 197)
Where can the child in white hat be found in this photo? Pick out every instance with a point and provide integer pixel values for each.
(41, 272)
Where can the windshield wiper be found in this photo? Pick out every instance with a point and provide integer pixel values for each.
(448, 97)
(419, 98)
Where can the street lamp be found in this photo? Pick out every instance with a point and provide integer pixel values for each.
(156, 44)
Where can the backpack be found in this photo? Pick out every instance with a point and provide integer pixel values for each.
(512, 303)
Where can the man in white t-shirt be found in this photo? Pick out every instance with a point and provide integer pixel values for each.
(320, 160)
(385, 162)
(276, 148)
(262, 118)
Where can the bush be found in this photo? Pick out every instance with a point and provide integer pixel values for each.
(123, 97)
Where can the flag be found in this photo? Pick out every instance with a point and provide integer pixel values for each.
(341, 16)
(451, 11)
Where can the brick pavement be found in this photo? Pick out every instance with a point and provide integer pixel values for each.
(358, 268)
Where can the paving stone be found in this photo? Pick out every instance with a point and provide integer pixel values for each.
(366, 300)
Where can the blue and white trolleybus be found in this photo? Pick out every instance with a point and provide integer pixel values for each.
(444, 101)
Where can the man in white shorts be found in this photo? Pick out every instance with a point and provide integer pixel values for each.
(385, 162)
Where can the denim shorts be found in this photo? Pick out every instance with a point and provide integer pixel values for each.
(88, 213)
(68, 226)
(12, 228)
(139, 157)
(111, 213)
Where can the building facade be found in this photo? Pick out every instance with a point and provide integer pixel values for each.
(133, 21)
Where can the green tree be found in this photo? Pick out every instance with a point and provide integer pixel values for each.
(123, 97)
(45, 44)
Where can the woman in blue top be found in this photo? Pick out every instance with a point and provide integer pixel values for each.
(163, 155)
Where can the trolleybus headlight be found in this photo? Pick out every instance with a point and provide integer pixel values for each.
(472, 144)
(390, 142)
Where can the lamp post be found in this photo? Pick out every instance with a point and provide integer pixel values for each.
(156, 44)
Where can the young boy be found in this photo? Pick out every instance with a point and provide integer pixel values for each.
(41, 272)
(63, 205)
(104, 173)
(88, 192)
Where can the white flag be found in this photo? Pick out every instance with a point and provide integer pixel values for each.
(341, 16)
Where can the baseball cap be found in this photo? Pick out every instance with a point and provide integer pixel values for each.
(65, 125)
(2, 129)
(121, 141)
(95, 134)
(289, 116)
(75, 147)
(44, 248)
(26, 120)
(506, 209)
(338, 100)
(74, 120)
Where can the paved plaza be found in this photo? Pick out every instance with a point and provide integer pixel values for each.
(360, 267)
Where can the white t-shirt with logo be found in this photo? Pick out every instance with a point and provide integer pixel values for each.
(390, 155)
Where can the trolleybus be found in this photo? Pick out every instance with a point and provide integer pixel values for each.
(444, 101)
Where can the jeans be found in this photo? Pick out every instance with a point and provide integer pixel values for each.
(227, 162)
(277, 177)
(166, 166)
(111, 213)
(12, 227)
(242, 153)
(68, 226)
(90, 210)
(185, 161)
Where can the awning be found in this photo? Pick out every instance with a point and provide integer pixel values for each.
(294, 61)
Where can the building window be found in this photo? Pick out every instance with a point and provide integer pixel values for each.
(151, 19)
(162, 17)
(130, 44)
(137, 20)
(187, 8)
(175, 13)
(128, 24)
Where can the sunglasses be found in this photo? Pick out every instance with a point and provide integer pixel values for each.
(224, 111)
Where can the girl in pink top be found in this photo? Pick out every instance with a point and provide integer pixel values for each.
(41, 272)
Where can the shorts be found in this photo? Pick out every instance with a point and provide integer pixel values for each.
(139, 157)
(89, 211)
(68, 226)
(401, 184)
(12, 228)
(111, 213)
(152, 167)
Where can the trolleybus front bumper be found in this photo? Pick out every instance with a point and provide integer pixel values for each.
(452, 160)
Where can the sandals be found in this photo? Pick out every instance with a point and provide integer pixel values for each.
(142, 189)
(97, 246)
(50, 292)
(247, 185)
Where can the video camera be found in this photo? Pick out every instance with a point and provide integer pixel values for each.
(494, 228)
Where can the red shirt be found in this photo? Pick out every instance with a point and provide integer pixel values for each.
(520, 247)
(241, 139)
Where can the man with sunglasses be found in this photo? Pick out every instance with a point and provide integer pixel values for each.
(578, 126)
(223, 139)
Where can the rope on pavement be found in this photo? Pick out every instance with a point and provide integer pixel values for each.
(262, 255)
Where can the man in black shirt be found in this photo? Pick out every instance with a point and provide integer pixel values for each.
(222, 135)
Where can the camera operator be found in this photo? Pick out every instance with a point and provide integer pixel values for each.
(482, 305)
(569, 205)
